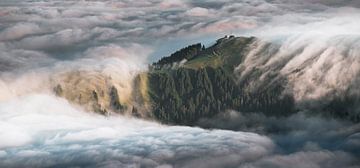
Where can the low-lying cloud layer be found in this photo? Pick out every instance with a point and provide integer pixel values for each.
(32, 135)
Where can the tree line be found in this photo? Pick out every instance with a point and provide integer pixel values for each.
(185, 53)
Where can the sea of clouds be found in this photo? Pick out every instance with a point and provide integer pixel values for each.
(41, 39)
(43, 131)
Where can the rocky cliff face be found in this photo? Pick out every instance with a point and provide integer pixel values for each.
(94, 91)
(100, 93)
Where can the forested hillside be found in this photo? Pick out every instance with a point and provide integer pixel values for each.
(183, 96)
(207, 84)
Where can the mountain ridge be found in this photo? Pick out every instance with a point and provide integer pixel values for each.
(197, 82)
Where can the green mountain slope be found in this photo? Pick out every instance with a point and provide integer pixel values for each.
(198, 82)
(205, 85)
